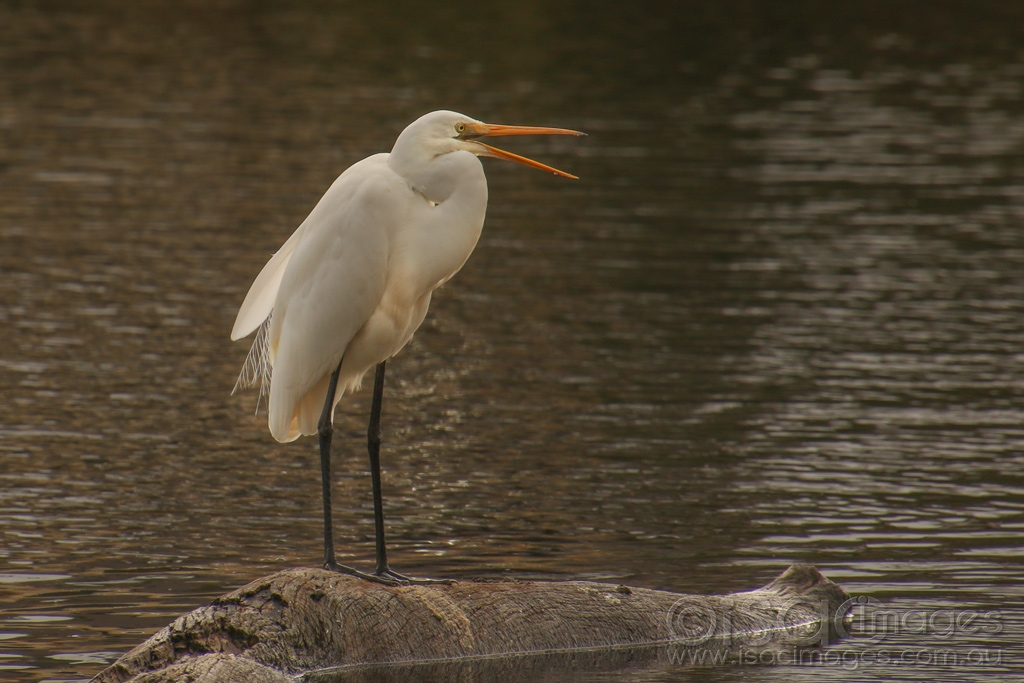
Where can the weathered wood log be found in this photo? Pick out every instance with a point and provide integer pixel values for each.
(315, 622)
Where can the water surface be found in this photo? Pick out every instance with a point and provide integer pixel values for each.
(777, 320)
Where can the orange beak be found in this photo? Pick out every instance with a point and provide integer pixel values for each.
(479, 130)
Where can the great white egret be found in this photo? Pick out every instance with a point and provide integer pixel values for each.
(352, 284)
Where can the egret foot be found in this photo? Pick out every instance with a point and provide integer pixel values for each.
(388, 577)
(343, 569)
(405, 580)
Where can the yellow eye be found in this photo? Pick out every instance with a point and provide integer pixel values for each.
(460, 128)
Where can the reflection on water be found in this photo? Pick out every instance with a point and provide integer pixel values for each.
(778, 320)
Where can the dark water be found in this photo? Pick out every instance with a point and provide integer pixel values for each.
(778, 319)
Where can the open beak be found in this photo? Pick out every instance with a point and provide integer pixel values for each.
(479, 130)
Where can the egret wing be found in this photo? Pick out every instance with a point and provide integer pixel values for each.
(334, 282)
(259, 302)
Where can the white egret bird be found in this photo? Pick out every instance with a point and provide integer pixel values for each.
(352, 284)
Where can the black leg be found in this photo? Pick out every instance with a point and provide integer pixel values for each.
(325, 430)
(382, 571)
(373, 446)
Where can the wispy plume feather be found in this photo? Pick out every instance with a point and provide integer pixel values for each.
(257, 368)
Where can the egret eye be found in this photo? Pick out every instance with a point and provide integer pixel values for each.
(460, 128)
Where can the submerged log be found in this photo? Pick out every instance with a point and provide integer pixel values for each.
(321, 624)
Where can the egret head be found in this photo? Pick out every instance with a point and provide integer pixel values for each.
(443, 132)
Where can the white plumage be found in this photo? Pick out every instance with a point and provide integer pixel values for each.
(353, 282)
